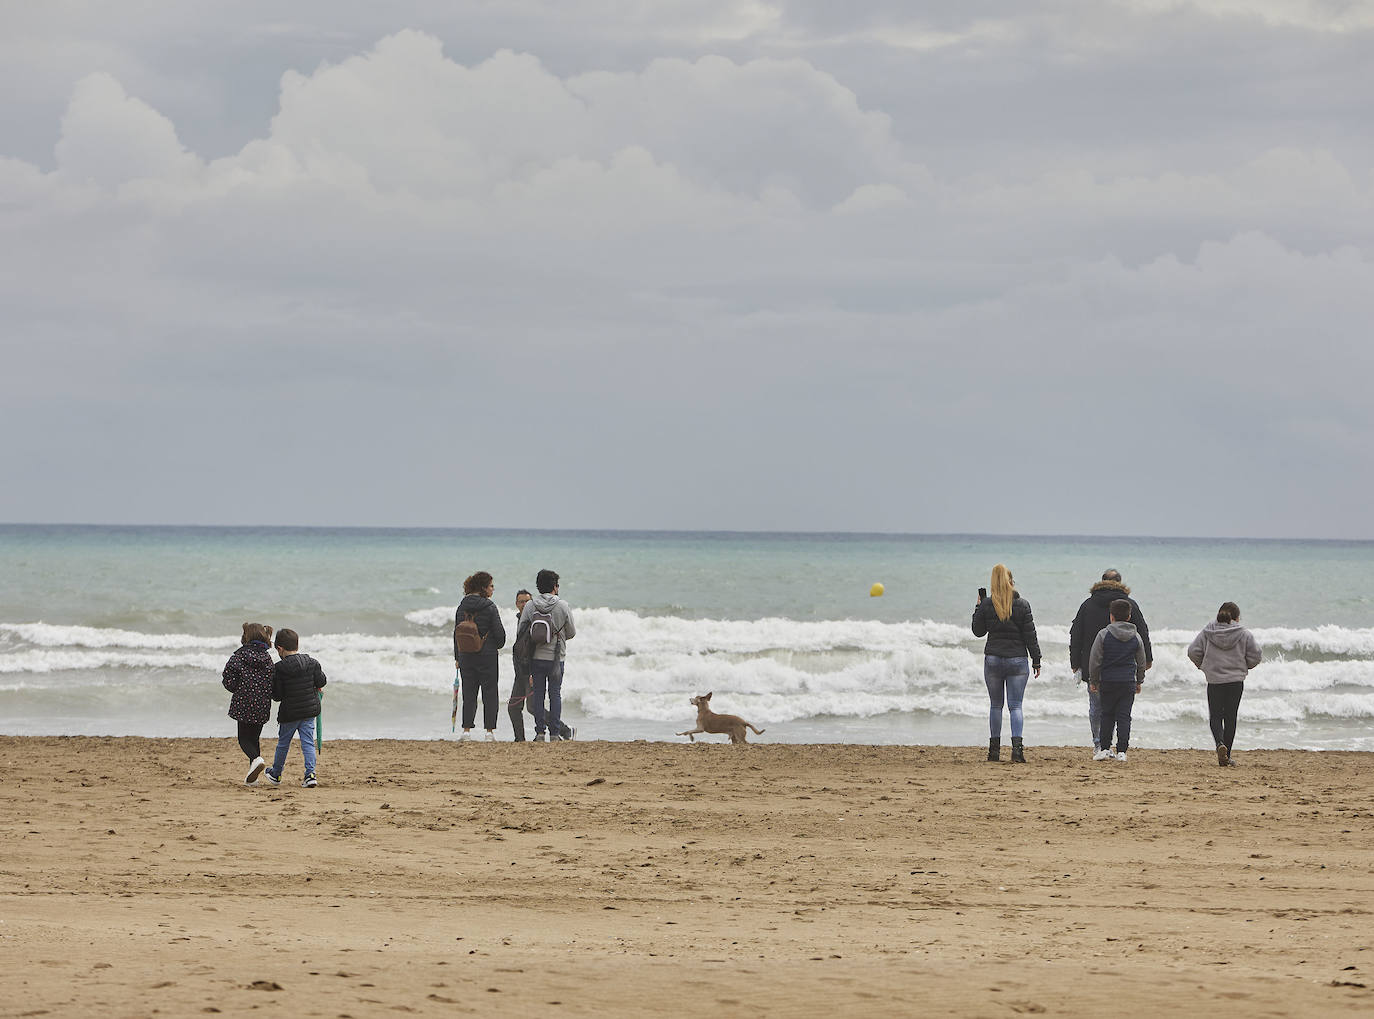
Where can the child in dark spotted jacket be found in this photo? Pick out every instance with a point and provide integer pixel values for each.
(248, 676)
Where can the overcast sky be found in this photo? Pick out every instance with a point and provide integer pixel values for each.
(976, 265)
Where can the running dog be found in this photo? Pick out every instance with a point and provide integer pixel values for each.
(709, 721)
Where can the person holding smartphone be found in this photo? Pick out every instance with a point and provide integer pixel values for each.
(1012, 652)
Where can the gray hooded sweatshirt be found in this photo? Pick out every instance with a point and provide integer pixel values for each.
(562, 625)
(1225, 652)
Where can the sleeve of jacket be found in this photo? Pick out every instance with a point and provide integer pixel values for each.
(496, 629)
(567, 630)
(1198, 648)
(1076, 641)
(320, 679)
(1140, 661)
(980, 626)
(1143, 629)
(232, 673)
(276, 682)
(457, 618)
(1029, 636)
(1253, 652)
(1095, 658)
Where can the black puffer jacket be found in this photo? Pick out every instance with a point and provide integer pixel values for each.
(1013, 637)
(296, 682)
(488, 619)
(1094, 615)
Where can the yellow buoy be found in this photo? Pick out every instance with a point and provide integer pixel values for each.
(876, 591)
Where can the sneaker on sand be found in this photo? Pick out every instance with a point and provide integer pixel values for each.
(269, 778)
(1104, 755)
(309, 781)
(1223, 755)
(539, 737)
(490, 737)
(572, 733)
(254, 770)
(1121, 756)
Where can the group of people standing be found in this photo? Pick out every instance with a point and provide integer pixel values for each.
(1109, 648)
(543, 625)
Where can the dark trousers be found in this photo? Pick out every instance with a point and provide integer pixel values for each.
(515, 707)
(1117, 700)
(479, 672)
(1223, 702)
(251, 732)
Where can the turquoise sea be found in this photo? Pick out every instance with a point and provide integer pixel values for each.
(124, 630)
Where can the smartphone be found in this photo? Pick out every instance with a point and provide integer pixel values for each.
(982, 593)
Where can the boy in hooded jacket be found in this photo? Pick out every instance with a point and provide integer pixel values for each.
(296, 681)
(546, 662)
(1116, 668)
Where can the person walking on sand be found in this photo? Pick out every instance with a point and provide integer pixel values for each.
(1092, 618)
(1116, 668)
(248, 676)
(1225, 651)
(1011, 653)
(475, 653)
(520, 699)
(296, 681)
(550, 623)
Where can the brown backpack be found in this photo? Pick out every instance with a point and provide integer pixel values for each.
(465, 636)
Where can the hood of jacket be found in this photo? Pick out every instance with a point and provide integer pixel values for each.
(545, 602)
(1113, 588)
(1122, 631)
(1224, 635)
(293, 664)
(473, 603)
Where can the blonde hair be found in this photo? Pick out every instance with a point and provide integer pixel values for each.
(1001, 591)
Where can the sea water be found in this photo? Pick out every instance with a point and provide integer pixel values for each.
(124, 630)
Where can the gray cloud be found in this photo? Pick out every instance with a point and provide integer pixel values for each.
(725, 272)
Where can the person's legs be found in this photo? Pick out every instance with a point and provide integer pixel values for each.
(305, 729)
(539, 680)
(996, 684)
(556, 699)
(285, 730)
(1095, 717)
(491, 674)
(1107, 718)
(471, 683)
(1216, 712)
(250, 740)
(515, 707)
(1125, 701)
(1230, 710)
(1017, 679)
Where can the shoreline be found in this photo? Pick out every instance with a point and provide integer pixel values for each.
(639, 878)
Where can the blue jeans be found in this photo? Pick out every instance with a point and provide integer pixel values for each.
(306, 728)
(547, 675)
(1006, 679)
(1095, 717)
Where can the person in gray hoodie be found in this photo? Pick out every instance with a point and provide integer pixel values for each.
(1116, 667)
(550, 623)
(1225, 651)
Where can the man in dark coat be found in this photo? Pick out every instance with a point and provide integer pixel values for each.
(1093, 616)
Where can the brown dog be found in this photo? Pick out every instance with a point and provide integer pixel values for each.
(709, 721)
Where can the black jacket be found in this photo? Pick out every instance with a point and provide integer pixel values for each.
(1094, 615)
(1013, 637)
(488, 619)
(296, 682)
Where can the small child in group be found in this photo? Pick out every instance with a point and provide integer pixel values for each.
(296, 682)
(1116, 667)
(248, 676)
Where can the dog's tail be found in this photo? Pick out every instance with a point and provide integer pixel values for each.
(757, 731)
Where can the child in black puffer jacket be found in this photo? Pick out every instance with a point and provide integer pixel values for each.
(248, 676)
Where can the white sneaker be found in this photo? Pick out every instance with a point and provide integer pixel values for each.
(254, 770)
(466, 737)
(490, 737)
(1103, 755)
(1121, 756)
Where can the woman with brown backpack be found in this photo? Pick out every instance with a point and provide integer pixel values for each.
(478, 635)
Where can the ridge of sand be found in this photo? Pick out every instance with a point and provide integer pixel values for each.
(138, 876)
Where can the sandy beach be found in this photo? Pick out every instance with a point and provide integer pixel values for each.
(139, 877)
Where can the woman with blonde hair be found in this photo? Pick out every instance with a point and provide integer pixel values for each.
(1010, 654)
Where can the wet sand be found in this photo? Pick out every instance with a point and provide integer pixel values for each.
(139, 876)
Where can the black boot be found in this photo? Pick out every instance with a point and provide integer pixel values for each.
(1018, 751)
(995, 749)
